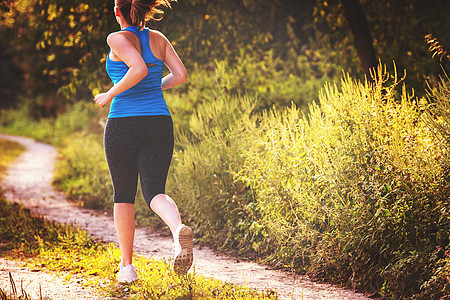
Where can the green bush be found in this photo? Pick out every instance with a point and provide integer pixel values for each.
(18, 121)
(201, 180)
(437, 117)
(76, 118)
(273, 80)
(353, 192)
(82, 171)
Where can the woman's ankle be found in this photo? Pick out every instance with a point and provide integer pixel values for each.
(126, 262)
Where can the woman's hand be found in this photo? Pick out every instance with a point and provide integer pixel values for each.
(102, 99)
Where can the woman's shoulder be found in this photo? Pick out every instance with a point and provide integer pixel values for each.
(112, 35)
(157, 34)
(158, 39)
(117, 36)
(123, 38)
(117, 33)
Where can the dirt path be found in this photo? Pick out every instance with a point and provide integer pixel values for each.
(41, 285)
(28, 181)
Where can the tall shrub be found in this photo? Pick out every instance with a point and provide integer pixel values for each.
(352, 191)
(355, 192)
(201, 179)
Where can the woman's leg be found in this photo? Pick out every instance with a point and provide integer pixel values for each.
(121, 143)
(167, 210)
(153, 165)
(154, 160)
(125, 226)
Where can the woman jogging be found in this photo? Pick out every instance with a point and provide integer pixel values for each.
(138, 136)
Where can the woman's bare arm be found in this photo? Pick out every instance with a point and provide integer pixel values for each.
(178, 73)
(123, 49)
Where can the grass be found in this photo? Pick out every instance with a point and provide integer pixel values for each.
(355, 192)
(9, 151)
(15, 294)
(69, 251)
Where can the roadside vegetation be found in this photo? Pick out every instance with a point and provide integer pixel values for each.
(285, 152)
(356, 191)
(9, 152)
(66, 250)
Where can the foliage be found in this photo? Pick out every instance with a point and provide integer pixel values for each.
(78, 117)
(201, 181)
(355, 191)
(297, 83)
(11, 77)
(9, 152)
(57, 44)
(438, 118)
(18, 122)
(397, 28)
(84, 172)
(60, 47)
(436, 48)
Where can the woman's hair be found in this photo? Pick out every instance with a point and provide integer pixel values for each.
(137, 12)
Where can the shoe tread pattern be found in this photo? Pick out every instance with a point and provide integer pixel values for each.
(184, 260)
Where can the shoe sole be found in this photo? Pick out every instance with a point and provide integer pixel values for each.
(128, 280)
(184, 260)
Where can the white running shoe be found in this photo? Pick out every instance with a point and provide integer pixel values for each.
(127, 274)
(184, 244)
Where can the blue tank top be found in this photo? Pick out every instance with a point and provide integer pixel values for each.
(145, 98)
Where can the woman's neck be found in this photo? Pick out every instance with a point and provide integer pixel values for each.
(123, 24)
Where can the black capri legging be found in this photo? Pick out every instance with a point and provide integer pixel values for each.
(138, 145)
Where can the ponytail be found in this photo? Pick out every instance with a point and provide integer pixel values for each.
(137, 12)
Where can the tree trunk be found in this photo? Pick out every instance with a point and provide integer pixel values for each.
(273, 21)
(363, 41)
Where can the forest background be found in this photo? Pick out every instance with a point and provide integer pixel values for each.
(285, 153)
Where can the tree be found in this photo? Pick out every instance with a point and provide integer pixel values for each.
(343, 14)
(396, 32)
(57, 45)
(363, 40)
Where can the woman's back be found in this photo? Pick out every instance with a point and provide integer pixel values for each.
(146, 97)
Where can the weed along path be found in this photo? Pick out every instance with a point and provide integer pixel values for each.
(28, 181)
